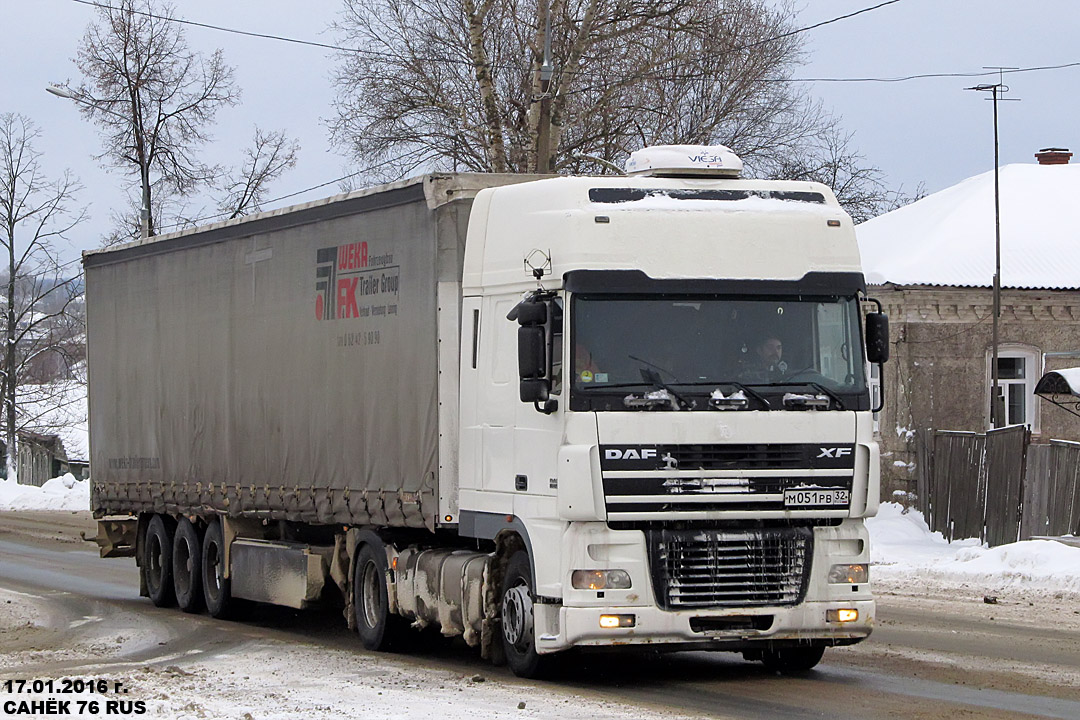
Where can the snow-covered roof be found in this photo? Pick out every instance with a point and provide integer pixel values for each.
(948, 238)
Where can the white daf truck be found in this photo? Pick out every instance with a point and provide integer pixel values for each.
(542, 414)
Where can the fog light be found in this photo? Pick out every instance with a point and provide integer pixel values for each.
(842, 615)
(600, 579)
(852, 574)
(617, 621)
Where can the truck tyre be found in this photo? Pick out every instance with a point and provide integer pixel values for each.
(215, 586)
(157, 562)
(518, 629)
(793, 660)
(187, 567)
(379, 629)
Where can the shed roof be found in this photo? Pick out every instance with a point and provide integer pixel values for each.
(947, 238)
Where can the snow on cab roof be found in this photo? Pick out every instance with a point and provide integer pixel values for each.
(947, 238)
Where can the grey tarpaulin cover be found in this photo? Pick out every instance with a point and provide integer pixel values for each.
(282, 367)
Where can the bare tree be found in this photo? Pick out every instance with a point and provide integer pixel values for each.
(270, 154)
(456, 84)
(860, 188)
(152, 96)
(40, 295)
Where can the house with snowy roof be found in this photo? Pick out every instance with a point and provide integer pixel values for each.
(932, 264)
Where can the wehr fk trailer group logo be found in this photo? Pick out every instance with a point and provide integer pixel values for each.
(347, 276)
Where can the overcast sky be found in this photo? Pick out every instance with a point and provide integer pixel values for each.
(926, 131)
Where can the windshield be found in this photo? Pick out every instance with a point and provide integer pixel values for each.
(717, 353)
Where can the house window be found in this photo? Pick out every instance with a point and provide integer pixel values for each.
(1019, 368)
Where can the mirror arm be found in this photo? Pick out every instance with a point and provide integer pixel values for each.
(550, 406)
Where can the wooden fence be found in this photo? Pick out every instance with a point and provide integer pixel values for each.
(997, 486)
(1052, 490)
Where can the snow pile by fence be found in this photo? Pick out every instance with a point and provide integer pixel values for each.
(907, 556)
(60, 493)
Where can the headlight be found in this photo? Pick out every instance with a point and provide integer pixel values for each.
(852, 574)
(600, 579)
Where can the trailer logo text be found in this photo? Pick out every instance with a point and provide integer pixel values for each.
(347, 275)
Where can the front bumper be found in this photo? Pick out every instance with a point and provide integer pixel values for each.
(567, 627)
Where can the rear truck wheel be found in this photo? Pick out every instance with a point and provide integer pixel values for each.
(379, 629)
(518, 627)
(215, 586)
(157, 567)
(187, 567)
(793, 660)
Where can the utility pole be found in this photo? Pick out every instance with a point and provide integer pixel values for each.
(997, 400)
(543, 137)
(144, 168)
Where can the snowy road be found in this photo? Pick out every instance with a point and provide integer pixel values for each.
(66, 613)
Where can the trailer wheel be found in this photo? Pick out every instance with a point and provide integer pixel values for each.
(157, 566)
(518, 628)
(215, 586)
(793, 660)
(187, 567)
(379, 629)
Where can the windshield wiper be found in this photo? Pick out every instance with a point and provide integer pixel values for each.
(729, 383)
(821, 388)
(748, 391)
(668, 395)
(817, 386)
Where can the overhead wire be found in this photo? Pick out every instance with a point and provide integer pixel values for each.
(654, 76)
(448, 60)
(648, 76)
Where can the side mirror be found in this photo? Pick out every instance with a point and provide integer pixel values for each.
(535, 317)
(534, 390)
(532, 355)
(530, 312)
(877, 337)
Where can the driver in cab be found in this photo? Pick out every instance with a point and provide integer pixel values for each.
(765, 362)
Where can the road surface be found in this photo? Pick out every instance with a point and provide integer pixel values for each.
(64, 612)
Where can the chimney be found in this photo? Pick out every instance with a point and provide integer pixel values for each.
(1053, 156)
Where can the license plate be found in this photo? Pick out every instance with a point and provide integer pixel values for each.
(816, 497)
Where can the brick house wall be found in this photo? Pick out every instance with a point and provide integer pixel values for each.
(939, 373)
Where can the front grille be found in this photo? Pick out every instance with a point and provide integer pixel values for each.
(728, 456)
(712, 569)
(743, 457)
(703, 481)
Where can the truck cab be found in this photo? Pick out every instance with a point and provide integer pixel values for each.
(665, 407)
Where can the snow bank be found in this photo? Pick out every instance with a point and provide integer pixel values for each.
(905, 554)
(60, 493)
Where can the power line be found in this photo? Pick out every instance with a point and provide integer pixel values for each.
(820, 24)
(650, 76)
(923, 76)
(208, 26)
(339, 48)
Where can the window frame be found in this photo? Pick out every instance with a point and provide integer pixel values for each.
(1033, 370)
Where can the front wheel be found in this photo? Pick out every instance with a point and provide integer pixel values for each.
(517, 620)
(793, 660)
